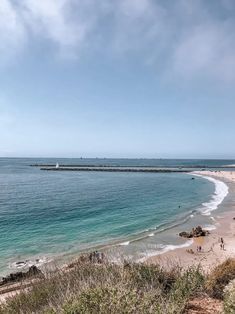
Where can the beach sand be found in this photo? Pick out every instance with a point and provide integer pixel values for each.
(211, 254)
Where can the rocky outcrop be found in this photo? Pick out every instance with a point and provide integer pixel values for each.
(33, 271)
(196, 232)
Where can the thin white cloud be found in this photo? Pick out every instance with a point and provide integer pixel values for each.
(51, 19)
(135, 9)
(207, 50)
(138, 26)
(184, 38)
(12, 31)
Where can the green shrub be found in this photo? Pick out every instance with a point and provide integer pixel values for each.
(88, 288)
(152, 276)
(220, 277)
(27, 302)
(113, 300)
(186, 285)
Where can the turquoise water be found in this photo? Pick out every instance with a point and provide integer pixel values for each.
(50, 214)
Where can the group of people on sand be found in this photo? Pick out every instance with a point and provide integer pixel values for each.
(221, 242)
(96, 257)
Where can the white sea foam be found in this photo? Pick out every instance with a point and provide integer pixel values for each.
(20, 264)
(171, 247)
(191, 216)
(207, 213)
(28, 263)
(151, 235)
(125, 243)
(221, 190)
(163, 249)
(209, 227)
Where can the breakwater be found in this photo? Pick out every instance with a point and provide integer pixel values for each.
(182, 167)
(113, 169)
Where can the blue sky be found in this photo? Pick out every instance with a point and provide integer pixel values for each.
(117, 78)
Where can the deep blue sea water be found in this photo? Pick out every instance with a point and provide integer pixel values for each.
(44, 215)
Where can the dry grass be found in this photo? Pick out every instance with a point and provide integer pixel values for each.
(89, 288)
(106, 288)
(220, 277)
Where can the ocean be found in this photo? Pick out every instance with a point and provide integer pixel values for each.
(53, 216)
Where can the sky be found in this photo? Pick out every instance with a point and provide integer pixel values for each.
(117, 78)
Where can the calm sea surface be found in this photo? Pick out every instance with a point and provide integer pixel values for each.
(44, 215)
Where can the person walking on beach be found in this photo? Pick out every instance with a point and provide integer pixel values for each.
(199, 248)
(221, 243)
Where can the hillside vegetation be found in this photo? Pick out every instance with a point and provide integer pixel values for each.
(88, 288)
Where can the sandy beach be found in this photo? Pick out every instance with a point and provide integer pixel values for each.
(211, 254)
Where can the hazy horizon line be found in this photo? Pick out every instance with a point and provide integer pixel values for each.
(148, 158)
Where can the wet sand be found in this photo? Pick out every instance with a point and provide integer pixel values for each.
(211, 254)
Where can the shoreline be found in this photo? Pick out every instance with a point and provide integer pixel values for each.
(170, 248)
(211, 254)
(62, 260)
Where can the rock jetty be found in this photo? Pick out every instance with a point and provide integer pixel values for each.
(196, 232)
